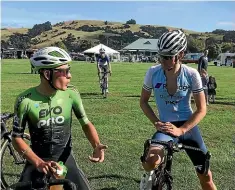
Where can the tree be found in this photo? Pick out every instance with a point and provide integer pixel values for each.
(227, 47)
(219, 31)
(229, 36)
(61, 45)
(132, 21)
(195, 45)
(20, 41)
(210, 41)
(39, 28)
(214, 51)
(4, 44)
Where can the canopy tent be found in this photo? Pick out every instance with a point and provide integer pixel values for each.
(109, 51)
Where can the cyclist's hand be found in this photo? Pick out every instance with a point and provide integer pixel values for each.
(158, 125)
(54, 167)
(44, 167)
(98, 153)
(172, 129)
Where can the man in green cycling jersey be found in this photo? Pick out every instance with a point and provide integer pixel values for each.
(47, 109)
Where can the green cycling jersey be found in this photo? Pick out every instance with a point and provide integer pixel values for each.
(49, 119)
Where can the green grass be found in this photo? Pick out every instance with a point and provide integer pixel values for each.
(123, 127)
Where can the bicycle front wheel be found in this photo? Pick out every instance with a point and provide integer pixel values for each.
(12, 163)
(105, 93)
(163, 182)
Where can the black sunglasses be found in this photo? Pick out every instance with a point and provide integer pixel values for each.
(166, 57)
(63, 71)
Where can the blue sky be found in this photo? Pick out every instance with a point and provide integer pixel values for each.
(198, 16)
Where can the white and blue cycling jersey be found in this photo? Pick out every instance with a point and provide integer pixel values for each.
(175, 107)
(102, 61)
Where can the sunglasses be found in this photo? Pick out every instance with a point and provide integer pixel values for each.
(166, 57)
(62, 72)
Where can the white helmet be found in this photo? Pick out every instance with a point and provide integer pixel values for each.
(102, 50)
(49, 57)
(171, 43)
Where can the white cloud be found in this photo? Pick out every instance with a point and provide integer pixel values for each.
(226, 23)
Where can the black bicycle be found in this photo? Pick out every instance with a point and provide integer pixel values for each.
(162, 178)
(44, 184)
(9, 156)
(104, 83)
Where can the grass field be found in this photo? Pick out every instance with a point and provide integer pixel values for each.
(123, 127)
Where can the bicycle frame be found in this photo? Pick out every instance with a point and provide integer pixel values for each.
(44, 184)
(104, 83)
(164, 169)
(5, 134)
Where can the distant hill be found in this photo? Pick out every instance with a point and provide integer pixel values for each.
(79, 35)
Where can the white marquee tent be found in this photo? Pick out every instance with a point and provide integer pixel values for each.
(109, 51)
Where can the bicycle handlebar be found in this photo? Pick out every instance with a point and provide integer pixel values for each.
(6, 116)
(175, 146)
(68, 185)
(104, 72)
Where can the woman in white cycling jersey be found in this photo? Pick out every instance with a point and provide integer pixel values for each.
(172, 84)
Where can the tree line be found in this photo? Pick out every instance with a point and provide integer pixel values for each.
(118, 39)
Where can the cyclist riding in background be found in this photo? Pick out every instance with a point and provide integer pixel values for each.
(47, 109)
(172, 84)
(103, 65)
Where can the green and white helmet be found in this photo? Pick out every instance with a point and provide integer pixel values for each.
(49, 58)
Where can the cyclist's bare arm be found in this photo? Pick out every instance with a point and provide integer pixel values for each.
(19, 123)
(91, 134)
(28, 154)
(155, 153)
(200, 101)
(198, 115)
(23, 148)
(98, 67)
(109, 66)
(80, 113)
(148, 111)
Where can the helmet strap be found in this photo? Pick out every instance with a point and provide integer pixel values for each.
(176, 58)
(50, 80)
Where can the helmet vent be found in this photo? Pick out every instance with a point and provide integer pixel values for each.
(47, 62)
(40, 58)
(55, 54)
(62, 60)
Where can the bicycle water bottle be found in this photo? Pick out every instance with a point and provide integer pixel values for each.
(60, 174)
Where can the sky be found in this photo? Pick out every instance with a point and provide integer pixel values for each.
(200, 16)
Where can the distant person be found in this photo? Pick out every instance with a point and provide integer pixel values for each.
(205, 80)
(103, 66)
(211, 88)
(203, 62)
